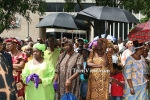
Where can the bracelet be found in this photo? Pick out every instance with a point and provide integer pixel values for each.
(132, 88)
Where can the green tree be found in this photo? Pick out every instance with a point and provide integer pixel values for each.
(145, 19)
(9, 8)
(111, 3)
(137, 5)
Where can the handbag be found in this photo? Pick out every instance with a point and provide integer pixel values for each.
(68, 95)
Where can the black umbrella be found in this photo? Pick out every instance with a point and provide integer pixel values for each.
(58, 20)
(107, 14)
(81, 25)
(63, 21)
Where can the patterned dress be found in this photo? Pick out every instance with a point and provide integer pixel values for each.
(65, 70)
(7, 83)
(136, 71)
(17, 76)
(98, 82)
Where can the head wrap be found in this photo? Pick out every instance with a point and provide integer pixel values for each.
(94, 44)
(96, 38)
(12, 40)
(25, 47)
(128, 43)
(85, 41)
(91, 43)
(39, 46)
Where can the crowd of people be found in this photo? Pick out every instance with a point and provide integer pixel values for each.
(97, 70)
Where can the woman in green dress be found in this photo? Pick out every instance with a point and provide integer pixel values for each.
(45, 70)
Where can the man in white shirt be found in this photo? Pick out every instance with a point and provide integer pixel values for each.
(121, 45)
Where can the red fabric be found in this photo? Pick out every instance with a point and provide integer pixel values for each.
(17, 76)
(141, 32)
(12, 40)
(117, 90)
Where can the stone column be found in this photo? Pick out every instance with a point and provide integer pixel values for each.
(91, 35)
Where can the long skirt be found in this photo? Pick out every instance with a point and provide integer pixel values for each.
(98, 85)
(20, 85)
(140, 92)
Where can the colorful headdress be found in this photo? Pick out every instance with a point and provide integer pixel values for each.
(85, 41)
(12, 40)
(94, 44)
(39, 46)
(128, 43)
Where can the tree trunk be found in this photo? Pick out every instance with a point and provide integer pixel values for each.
(97, 4)
(79, 4)
(114, 3)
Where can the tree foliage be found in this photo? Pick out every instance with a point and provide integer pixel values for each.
(137, 5)
(9, 8)
(145, 19)
(111, 3)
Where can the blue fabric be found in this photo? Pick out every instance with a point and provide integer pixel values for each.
(83, 88)
(82, 76)
(140, 92)
(68, 96)
(116, 98)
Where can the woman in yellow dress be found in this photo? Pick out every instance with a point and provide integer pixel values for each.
(98, 83)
